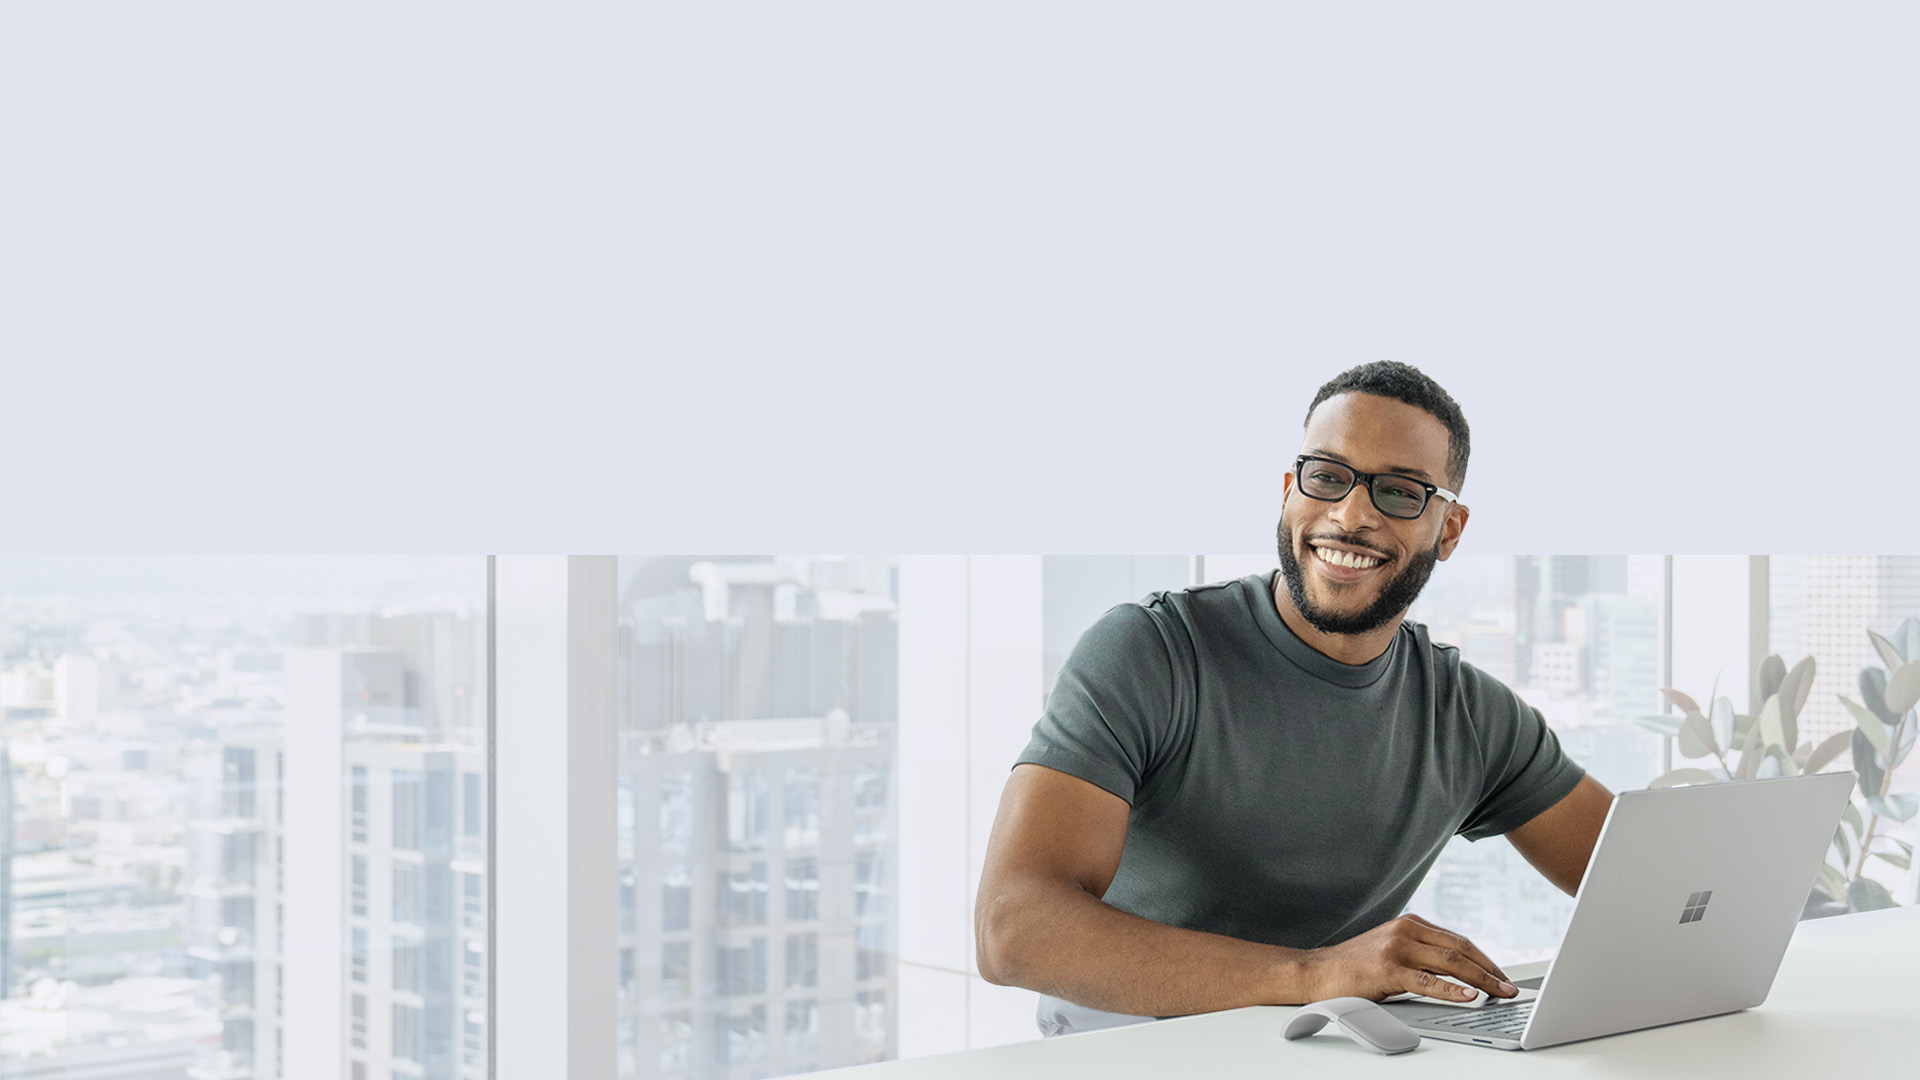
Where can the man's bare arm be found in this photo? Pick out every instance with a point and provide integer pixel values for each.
(1040, 923)
(1559, 840)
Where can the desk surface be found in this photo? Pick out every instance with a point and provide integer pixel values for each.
(1845, 1004)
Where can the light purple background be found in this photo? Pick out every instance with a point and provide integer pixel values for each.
(981, 277)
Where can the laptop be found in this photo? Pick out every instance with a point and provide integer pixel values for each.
(1685, 911)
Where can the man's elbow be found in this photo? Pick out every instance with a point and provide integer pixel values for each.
(996, 950)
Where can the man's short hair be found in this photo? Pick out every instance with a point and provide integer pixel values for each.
(1404, 382)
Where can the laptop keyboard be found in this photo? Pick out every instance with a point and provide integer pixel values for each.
(1506, 1021)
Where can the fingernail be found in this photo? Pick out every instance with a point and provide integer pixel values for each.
(1509, 988)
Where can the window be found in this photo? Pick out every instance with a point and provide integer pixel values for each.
(409, 966)
(409, 1034)
(676, 898)
(759, 704)
(803, 960)
(409, 894)
(743, 1038)
(802, 809)
(676, 970)
(802, 890)
(409, 817)
(742, 968)
(869, 884)
(221, 733)
(743, 896)
(358, 820)
(803, 1029)
(747, 810)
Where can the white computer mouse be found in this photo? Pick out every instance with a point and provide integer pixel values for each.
(1370, 1025)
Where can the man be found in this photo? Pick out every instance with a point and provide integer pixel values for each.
(1236, 788)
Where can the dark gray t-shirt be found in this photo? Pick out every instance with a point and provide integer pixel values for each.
(1279, 795)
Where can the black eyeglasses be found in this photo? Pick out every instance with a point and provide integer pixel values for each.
(1393, 495)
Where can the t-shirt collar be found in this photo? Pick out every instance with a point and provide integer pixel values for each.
(1304, 656)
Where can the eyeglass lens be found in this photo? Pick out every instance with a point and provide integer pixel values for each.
(1394, 495)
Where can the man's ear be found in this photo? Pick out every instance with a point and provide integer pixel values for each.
(1451, 529)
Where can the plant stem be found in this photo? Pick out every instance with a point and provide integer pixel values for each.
(1886, 784)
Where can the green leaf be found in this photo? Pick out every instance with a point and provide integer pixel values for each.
(1851, 815)
(1680, 701)
(1750, 755)
(1679, 777)
(1802, 754)
(1772, 671)
(1897, 807)
(1772, 730)
(1873, 693)
(1793, 695)
(1724, 722)
(1901, 861)
(1870, 726)
(1889, 655)
(1866, 764)
(1827, 750)
(1787, 767)
(1900, 741)
(1902, 845)
(1845, 849)
(1903, 688)
(1832, 882)
(1696, 737)
(1664, 725)
(1866, 894)
(1906, 637)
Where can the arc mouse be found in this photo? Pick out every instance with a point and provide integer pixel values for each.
(1370, 1025)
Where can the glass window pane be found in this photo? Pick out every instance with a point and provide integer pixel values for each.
(758, 697)
(157, 841)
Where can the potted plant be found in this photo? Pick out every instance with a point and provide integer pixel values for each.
(1767, 743)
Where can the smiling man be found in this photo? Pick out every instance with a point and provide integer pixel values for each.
(1236, 788)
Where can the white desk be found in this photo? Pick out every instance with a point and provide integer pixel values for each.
(1845, 1004)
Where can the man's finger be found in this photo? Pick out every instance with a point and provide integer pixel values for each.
(1442, 938)
(1441, 960)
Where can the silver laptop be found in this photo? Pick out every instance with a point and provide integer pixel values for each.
(1685, 911)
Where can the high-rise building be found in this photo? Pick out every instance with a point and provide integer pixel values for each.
(234, 928)
(6, 871)
(758, 941)
(397, 811)
(1823, 606)
(756, 819)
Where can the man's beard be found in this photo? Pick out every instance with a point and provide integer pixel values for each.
(1395, 597)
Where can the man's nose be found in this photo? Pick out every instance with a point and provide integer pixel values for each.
(1356, 510)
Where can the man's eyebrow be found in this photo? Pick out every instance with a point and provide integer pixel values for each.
(1397, 470)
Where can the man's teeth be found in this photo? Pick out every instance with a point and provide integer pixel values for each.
(1345, 558)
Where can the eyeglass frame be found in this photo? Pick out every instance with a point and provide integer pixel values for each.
(1368, 478)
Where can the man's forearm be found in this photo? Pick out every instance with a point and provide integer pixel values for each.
(1059, 939)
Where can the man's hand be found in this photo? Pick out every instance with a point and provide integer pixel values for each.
(1407, 955)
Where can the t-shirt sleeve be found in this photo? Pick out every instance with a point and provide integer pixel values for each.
(1525, 769)
(1110, 712)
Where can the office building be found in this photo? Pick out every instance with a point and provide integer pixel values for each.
(1823, 606)
(391, 827)
(6, 871)
(758, 940)
(756, 834)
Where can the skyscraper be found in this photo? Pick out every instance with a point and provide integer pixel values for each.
(756, 819)
(390, 824)
(6, 871)
(1823, 606)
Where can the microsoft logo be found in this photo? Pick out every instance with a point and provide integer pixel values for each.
(1696, 907)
